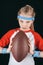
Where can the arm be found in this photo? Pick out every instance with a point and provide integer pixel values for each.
(5, 50)
(6, 38)
(35, 53)
(38, 41)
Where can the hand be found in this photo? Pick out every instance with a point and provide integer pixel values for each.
(31, 51)
(9, 48)
(41, 54)
(1, 49)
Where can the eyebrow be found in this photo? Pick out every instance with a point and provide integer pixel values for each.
(27, 21)
(22, 21)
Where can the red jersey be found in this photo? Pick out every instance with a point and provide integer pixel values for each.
(5, 40)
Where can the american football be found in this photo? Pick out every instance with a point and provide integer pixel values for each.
(20, 46)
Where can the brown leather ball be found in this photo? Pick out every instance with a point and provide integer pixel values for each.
(20, 46)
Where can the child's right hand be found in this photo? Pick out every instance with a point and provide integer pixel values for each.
(9, 48)
(1, 49)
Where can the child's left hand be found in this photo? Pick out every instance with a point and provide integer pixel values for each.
(41, 54)
(31, 51)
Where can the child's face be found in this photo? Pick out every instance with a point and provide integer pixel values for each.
(25, 24)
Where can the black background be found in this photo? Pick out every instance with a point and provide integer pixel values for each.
(8, 20)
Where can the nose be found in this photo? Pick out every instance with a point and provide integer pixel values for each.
(24, 25)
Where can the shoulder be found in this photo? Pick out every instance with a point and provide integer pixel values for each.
(34, 32)
(13, 30)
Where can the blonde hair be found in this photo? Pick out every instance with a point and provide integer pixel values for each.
(26, 9)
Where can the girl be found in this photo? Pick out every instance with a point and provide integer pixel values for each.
(26, 17)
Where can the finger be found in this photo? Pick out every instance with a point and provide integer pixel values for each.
(29, 45)
(0, 47)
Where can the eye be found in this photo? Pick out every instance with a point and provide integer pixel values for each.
(27, 21)
(21, 21)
